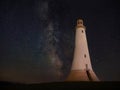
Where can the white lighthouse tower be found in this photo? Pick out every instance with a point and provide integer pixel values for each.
(81, 69)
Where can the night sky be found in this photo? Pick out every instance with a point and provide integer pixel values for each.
(37, 38)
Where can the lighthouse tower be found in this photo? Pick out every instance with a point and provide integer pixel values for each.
(81, 69)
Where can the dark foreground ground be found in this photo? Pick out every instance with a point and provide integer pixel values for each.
(60, 86)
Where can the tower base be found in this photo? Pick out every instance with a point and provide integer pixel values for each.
(82, 75)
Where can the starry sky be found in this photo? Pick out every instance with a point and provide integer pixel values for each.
(37, 38)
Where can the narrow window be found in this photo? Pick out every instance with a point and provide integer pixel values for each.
(84, 55)
(82, 31)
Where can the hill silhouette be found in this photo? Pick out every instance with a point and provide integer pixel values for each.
(60, 85)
